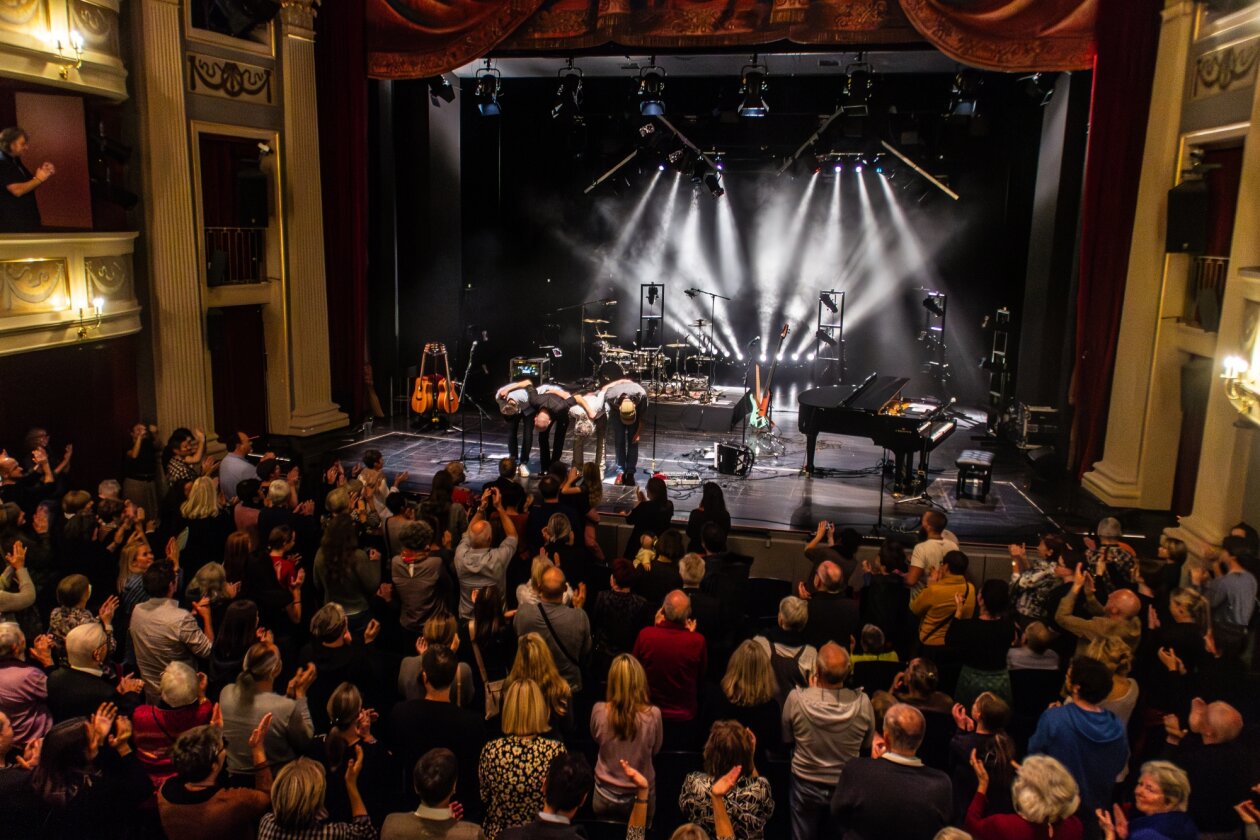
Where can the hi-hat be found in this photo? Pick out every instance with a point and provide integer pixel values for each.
(604, 336)
(594, 321)
(677, 345)
(701, 323)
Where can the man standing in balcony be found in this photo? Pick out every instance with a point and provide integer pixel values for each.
(18, 211)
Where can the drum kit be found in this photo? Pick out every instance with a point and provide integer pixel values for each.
(680, 371)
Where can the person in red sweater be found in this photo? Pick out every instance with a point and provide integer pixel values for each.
(1045, 797)
(674, 656)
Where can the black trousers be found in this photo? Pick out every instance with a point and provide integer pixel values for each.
(626, 441)
(520, 437)
(551, 441)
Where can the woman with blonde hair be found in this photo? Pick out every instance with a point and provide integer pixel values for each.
(133, 561)
(530, 592)
(1161, 797)
(209, 525)
(1116, 654)
(626, 726)
(297, 804)
(748, 695)
(1045, 797)
(535, 662)
(513, 769)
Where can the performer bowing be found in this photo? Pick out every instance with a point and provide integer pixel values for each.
(551, 405)
(628, 399)
(514, 407)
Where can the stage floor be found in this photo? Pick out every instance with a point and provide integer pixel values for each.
(774, 495)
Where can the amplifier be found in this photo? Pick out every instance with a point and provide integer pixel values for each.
(1036, 425)
(535, 368)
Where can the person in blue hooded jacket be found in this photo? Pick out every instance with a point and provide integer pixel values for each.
(1161, 797)
(1088, 740)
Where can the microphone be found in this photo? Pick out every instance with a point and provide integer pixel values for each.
(754, 341)
(690, 293)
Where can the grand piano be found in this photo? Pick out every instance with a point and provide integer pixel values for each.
(875, 409)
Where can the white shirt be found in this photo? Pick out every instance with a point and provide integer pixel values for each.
(621, 390)
(595, 401)
(927, 556)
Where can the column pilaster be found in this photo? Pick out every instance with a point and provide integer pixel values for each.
(1133, 471)
(312, 408)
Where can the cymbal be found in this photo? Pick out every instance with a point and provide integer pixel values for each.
(594, 321)
(677, 345)
(604, 336)
(701, 323)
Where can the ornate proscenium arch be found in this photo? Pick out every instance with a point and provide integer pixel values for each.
(418, 38)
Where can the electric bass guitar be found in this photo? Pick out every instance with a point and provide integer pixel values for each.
(759, 417)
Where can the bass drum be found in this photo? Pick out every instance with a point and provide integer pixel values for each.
(610, 372)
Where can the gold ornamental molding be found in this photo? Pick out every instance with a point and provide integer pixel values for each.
(1226, 68)
(47, 282)
(298, 17)
(66, 44)
(227, 79)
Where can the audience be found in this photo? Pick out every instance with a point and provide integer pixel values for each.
(502, 698)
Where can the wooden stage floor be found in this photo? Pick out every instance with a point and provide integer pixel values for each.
(774, 496)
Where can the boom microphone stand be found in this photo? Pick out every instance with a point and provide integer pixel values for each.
(481, 419)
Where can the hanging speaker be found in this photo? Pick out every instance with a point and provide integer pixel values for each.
(1187, 218)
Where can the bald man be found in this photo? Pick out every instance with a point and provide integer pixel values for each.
(1117, 618)
(828, 725)
(565, 629)
(892, 793)
(478, 563)
(833, 615)
(1218, 763)
(674, 656)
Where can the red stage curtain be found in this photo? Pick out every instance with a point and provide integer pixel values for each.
(418, 38)
(1128, 37)
(343, 155)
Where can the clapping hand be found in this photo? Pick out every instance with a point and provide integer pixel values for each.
(639, 780)
(982, 772)
(962, 720)
(29, 759)
(17, 555)
(1172, 728)
(370, 632)
(130, 684)
(1113, 829)
(354, 767)
(42, 650)
(1171, 661)
(258, 737)
(107, 610)
(98, 727)
(723, 786)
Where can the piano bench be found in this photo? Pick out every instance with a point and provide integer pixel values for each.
(975, 474)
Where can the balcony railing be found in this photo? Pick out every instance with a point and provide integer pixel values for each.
(235, 255)
(1205, 291)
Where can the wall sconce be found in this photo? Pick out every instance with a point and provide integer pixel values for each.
(71, 58)
(1239, 388)
(90, 318)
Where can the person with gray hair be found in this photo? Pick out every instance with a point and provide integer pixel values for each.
(892, 793)
(1211, 753)
(183, 706)
(674, 657)
(1161, 798)
(791, 658)
(833, 615)
(23, 687)
(1112, 562)
(1045, 797)
(706, 608)
(79, 689)
(477, 562)
(827, 725)
(19, 212)
(419, 575)
(195, 804)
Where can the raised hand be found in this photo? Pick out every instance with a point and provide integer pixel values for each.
(107, 610)
(385, 592)
(354, 767)
(1171, 661)
(216, 716)
(172, 552)
(17, 555)
(1172, 729)
(99, 726)
(29, 759)
(982, 772)
(690, 624)
(130, 684)
(370, 632)
(962, 720)
(363, 724)
(723, 786)
(1078, 578)
(637, 778)
(265, 636)
(42, 650)
(302, 681)
(122, 732)
(258, 737)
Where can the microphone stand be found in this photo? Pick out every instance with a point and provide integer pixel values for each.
(713, 298)
(481, 419)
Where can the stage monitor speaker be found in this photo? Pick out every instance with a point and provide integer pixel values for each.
(1187, 218)
(251, 198)
(733, 460)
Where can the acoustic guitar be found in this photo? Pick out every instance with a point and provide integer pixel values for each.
(435, 391)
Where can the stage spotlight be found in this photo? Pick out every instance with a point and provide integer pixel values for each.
(837, 168)
(965, 92)
(717, 162)
(829, 301)
(932, 303)
(879, 170)
(651, 87)
(703, 173)
(568, 93)
(440, 90)
(796, 357)
(825, 337)
(763, 358)
(812, 356)
(752, 86)
(489, 86)
(858, 85)
(857, 167)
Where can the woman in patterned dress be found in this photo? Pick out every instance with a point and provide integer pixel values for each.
(513, 768)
